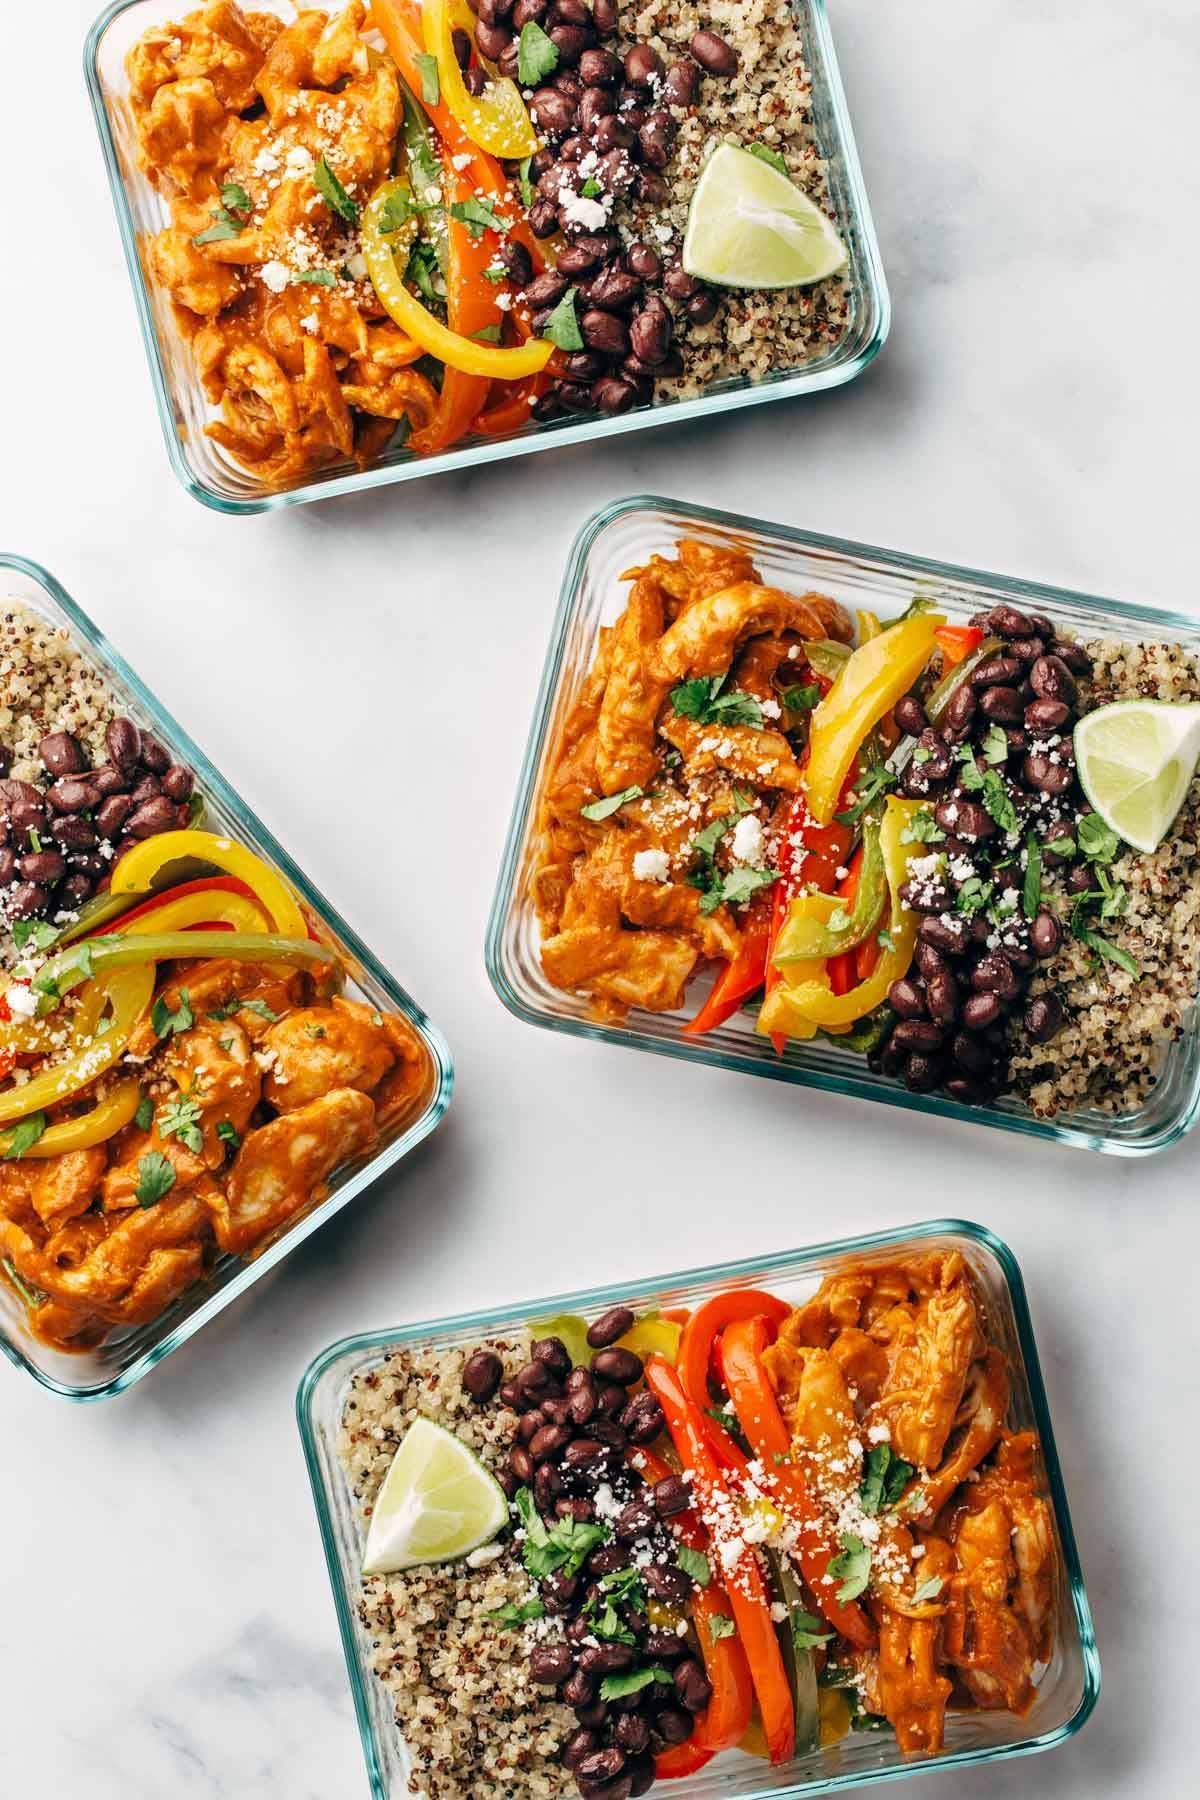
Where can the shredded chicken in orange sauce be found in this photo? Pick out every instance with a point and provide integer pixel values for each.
(963, 1564)
(623, 927)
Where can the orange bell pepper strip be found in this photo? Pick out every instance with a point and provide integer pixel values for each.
(723, 1722)
(956, 642)
(742, 976)
(470, 309)
(514, 409)
(760, 1418)
(698, 1343)
(681, 1759)
(749, 1597)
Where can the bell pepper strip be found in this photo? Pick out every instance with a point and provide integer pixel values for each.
(497, 119)
(868, 625)
(805, 935)
(742, 976)
(953, 679)
(681, 1759)
(490, 362)
(826, 657)
(96, 956)
(763, 1424)
(749, 1598)
(956, 642)
(874, 678)
(651, 1333)
(471, 311)
(129, 991)
(514, 410)
(186, 912)
(424, 172)
(105, 1119)
(216, 885)
(722, 1723)
(140, 867)
(808, 1002)
(697, 1347)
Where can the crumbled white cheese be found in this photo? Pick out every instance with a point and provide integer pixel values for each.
(22, 1001)
(651, 865)
(747, 840)
(275, 275)
(578, 209)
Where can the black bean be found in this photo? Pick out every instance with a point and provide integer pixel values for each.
(605, 16)
(573, 12)
(996, 670)
(616, 1365)
(941, 997)
(1075, 657)
(960, 711)
(611, 133)
(1045, 934)
(62, 754)
(701, 308)
(671, 1495)
(613, 290)
(1003, 705)
(124, 743)
(1038, 771)
(994, 974)
(577, 1507)
(1042, 716)
(43, 866)
(910, 715)
(571, 41)
(72, 795)
(111, 814)
(643, 262)
(713, 53)
(666, 1583)
(482, 1374)
(678, 283)
(581, 1743)
(692, 1685)
(554, 1354)
(642, 65)
(650, 332)
(906, 999)
(493, 39)
(605, 1659)
(516, 261)
(599, 68)
(549, 1664)
(642, 1775)
(553, 112)
(965, 820)
(600, 1767)
(607, 1560)
(970, 1054)
(508, 1394)
(656, 138)
(635, 1520)
(681, 83)
(606, 1431)
(559, 1590)
(475, 80)
(643, 1419)
(1043, 1018)
(980, 1011)
(580, 1691)
(592, 1716)
(610, 1399)
(1052, 680)
(918, 1034)
(965, 1090)
(521, 1463)
(26, 816)
(549, 1442)
(585, 1453)
(543, 222)
(108, 779)
(1007, 621)
(1027, 650)
(632, 1733)
(922, 1072)
(948, 937)
(26, 899)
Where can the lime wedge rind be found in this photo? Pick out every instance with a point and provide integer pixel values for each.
(750, 226)
(1136, 760)
(437, 1503)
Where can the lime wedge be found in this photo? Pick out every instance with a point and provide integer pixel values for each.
(750, 227)
(1136, 759)
(437, 1502)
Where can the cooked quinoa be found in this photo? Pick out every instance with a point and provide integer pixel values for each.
(1109, 1052)
(475, 1726)
(46, 685)
(768, 101)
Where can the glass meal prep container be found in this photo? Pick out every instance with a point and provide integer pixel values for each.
(128, 1354)
(213, 477)
(1069, 1687)
(624, 535)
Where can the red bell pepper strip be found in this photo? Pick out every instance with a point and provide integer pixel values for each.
(853, 966)
(206, 884)
(741, 977)
(957, 642)
(470, 309)
(723, 1722)
(514, 409)
(749, 1598)
(700, 1334)
(681, 1759)
(760, 1418)
(812, 862)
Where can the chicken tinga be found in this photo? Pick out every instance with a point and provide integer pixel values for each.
(612, 1549)
(965, 849)
(182, 1077)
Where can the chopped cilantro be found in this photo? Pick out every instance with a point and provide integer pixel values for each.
(537, 56)
(884, 1479)
(851, 1568)
(315, 278)
(695, 1564)
(143, 1118)
(526, 186)
(632, 1681)
(1105, 949)
(565, 1545)
(921, 755)
(431, 86)
(168, 1020)
(801, 698)
(223, 226)
(720, 1625)
(229, 1135)
(562, 327)
(806, 1631)
(235, 199)
(1097, 841)
(36, 932)
(1031, 893)
(181, 1119)
(424, 273)
(24, 1135)
(995, 745)
(736, 888)
(156, 1178)
(878, 781)
(509, 1617)
(611, 803)
(701, 699)
(397, 209)
(333, 193)
(487, 334)
(885, 940)
(929, 1590)
(922, 828)
(973, 896)
(478, 216)
(765, 154)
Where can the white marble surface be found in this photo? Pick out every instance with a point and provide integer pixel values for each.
(364, 671)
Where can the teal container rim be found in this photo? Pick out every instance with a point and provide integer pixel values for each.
(874, 283)
(758, 1268)
(108, 659)
(1022, 1122)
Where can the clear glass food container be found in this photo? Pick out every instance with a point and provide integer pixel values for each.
(128, 1355)
(213, 477)
(1067, 1691)
(625, 534)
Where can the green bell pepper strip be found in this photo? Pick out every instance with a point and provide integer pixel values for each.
(70, 967)
(953, 679)
(803, 938)
(826, 657)
(868, 1034)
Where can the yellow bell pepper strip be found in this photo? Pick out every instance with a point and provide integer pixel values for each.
(494, 362)
(652, 1335)
(106, 1118)
(197, 909)
(100, 954)
(953, 679)
(139, 868)
(805, 936)
(497, 119)
(796, 1006)
(819, 907)
(874, 678)
(868, 625)
(129, 991)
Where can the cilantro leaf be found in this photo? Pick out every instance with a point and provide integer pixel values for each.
(701, 699)
(720, 1625)
(487, 334)
(801, 698)
(705, 842)
(632, 1681)
(878, 781)
(995, 745)
(562, 327)
(973, 896)
(259, 1008)
(526, 186)
(397, 209)
(24, 1135)
(885, 1478)
(736, 888)
(929, 1590)
(235, 199)
(765, 154)
(156, 1178)
(1031, 893)
(424, 273)
(143, 1118)
(167, 1021)
(537, 56)
(566, 1545)
(1098, 841)
(695, 1564)
(478, 216)
(1105, 949)
(333, 193)
(509, 1617)
(852, 1568)
(36, 932)
(590, 189)
(181, 1118)
(223, 226)
(611, 803)
(806, 1631)
(228, 1134)
(431, 84)
(922, 828)
(314, 278)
